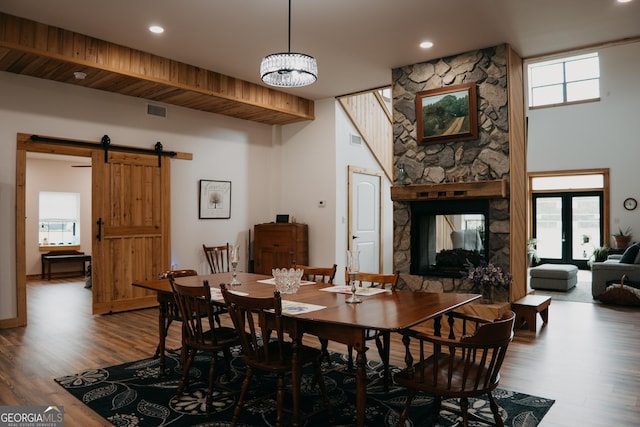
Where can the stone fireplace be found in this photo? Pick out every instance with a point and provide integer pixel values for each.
(455, 182)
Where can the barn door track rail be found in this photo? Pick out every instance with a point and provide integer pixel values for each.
(105, 144)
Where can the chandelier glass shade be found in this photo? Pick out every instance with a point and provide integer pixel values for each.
(289, 69)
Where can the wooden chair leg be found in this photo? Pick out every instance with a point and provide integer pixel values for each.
(163, 336)
(383, 351)
(243, 392)
(280, 400)
(227, 363)
(212, 376)
(437, 403)
(184, 383)
(323, 389)
(405, 411)
(496, 412)
(183, 356)
(217, 319)
(464, 408)
(324, 345)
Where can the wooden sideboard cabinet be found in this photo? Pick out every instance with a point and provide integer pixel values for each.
(278, 245)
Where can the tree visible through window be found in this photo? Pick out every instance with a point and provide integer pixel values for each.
(564, 80)
(59, 218)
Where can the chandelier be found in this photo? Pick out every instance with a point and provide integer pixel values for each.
(289, 69)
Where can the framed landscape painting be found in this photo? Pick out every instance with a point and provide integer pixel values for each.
(447, 114)
(215, 199)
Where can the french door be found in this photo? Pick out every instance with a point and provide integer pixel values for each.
(568, 226)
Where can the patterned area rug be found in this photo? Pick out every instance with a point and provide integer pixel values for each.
(134, 394)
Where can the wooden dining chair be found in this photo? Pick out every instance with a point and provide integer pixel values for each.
(201, 332)
(382, 338)
(168, 312)
(218, 258)
(318, 274)
(464, 367)
(265, 350)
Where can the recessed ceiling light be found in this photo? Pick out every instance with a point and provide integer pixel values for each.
(624, 1)
(156, 29)
(426, 45)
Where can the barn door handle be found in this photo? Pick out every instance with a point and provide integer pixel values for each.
(99, 235)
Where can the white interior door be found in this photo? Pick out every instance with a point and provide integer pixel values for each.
(365, 217)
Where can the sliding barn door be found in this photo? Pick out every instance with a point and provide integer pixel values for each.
(130, 213)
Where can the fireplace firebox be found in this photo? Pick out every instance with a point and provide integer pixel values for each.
(446, 235)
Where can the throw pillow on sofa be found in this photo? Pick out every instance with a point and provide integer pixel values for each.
(629, 256)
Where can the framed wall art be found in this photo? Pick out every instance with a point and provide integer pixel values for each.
(215, 199)
(447, 114)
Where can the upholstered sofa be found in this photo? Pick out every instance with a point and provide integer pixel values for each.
(614, 268)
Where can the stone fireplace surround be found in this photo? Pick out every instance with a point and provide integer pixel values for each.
(495, 191)
(443, 171)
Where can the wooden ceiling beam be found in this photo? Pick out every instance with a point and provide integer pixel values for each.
(39, 50)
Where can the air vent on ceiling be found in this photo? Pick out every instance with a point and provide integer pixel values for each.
(356, 140)
(156, 110)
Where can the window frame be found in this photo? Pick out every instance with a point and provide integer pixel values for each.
(605, 188)
(44, 219)
(563, 61)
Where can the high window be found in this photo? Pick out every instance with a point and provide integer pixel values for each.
(564, 80)
(59, 218)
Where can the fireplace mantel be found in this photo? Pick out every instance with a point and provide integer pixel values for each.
(496, 188)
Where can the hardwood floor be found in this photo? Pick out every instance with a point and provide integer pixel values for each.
(587, 358)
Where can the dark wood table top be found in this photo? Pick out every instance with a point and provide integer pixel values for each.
(385, 311)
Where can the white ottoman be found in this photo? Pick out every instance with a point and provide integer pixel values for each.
(556, 277)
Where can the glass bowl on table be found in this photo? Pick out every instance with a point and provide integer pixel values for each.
(287, 279)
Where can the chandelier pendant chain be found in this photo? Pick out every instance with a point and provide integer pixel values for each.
(289, 33)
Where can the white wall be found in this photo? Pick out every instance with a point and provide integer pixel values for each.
(347, 155)
(59, 176)
(308, 175)
(223, 149)
(598, 134)
(314, 166)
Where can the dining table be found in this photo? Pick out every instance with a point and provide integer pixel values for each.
(321, 310)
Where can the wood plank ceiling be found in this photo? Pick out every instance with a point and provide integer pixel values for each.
(39, 50)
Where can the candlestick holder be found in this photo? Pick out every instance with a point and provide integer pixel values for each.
(353, 266)
(235, 257)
